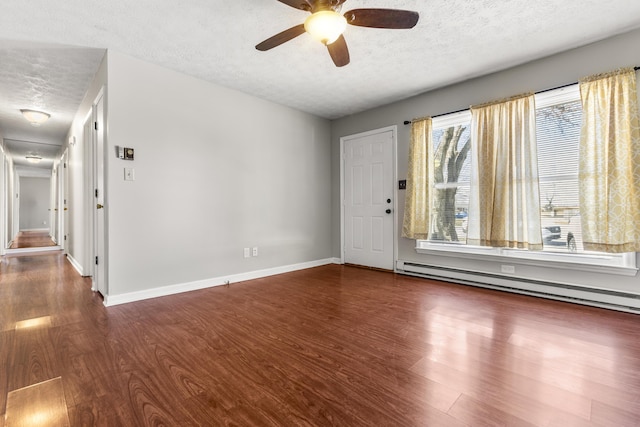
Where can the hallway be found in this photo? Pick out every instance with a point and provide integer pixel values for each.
(331, 345)
(32, 239)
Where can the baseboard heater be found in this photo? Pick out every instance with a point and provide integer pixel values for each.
(597, 297)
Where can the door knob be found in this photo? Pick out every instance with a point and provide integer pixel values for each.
(388, 200)
(99, 206)
(388, 211)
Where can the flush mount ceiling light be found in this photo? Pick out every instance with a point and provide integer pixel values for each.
(33, 158)
(36, 118)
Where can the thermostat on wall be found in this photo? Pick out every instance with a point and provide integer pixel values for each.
(125, 153)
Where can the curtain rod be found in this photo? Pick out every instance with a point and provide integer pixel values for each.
(408, 122)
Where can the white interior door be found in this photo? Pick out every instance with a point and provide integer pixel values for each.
(368, 199)
(55, 197)
(63, 178)
(99, 276)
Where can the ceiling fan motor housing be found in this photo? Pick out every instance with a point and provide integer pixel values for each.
(320, 5)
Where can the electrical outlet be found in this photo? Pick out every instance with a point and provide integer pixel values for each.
(509, 269)
(255, 251)
(247, 252)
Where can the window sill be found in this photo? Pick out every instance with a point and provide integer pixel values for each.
(596, 263)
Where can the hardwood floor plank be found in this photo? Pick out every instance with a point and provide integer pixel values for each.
(526, 400)
(605, 415)
(478, 414)
(33, 358)
(6, 347)
(39, 404)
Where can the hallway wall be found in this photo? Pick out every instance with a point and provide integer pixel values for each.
(216, 171)
(34, 203)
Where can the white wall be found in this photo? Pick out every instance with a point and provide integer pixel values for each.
(216, 170)
(564, 68)
(34, 203)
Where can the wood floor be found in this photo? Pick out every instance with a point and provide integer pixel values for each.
(328, 346)
(32, 239)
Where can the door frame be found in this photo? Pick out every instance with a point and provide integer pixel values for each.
(63, 197)
(87, 208)
(394, 176)
(90, 159)
(3, 201)
(99, 194)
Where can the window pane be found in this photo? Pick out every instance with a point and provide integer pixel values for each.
(451, 178)
(558, 135)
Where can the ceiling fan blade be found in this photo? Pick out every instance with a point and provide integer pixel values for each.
(339, 52)
(382, 18)
(282, 37)
(298, 4)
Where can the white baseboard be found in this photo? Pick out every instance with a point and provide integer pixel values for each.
(335, 260)
(32, 250)
(34, 229)
(110, 300)
(75, 264)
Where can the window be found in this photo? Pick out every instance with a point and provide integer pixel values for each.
(558, 122)
(452, 161)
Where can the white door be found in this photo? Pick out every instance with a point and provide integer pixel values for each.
(55, 219)
(368, 208)
(99, 278)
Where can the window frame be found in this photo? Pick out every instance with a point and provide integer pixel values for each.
(621, 264)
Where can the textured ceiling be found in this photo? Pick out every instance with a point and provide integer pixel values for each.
(214, 40)
(46, 77)
(19, 149)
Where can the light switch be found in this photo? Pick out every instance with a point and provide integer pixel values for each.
(129, 174)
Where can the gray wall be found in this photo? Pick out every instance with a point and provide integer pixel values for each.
(216, 170)
(567, 67)
(34, 202)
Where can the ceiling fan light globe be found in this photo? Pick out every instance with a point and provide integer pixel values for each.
(326, 26)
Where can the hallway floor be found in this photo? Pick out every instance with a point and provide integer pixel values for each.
(32, 239)
(328, 346)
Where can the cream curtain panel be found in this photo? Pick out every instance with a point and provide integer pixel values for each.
(419, 181)
(610, 163)
(504, 204)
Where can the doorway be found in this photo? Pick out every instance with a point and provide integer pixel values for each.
(96, 196)
(368, 198)
(32, 215)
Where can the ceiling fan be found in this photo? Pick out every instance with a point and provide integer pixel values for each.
(327, 25)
